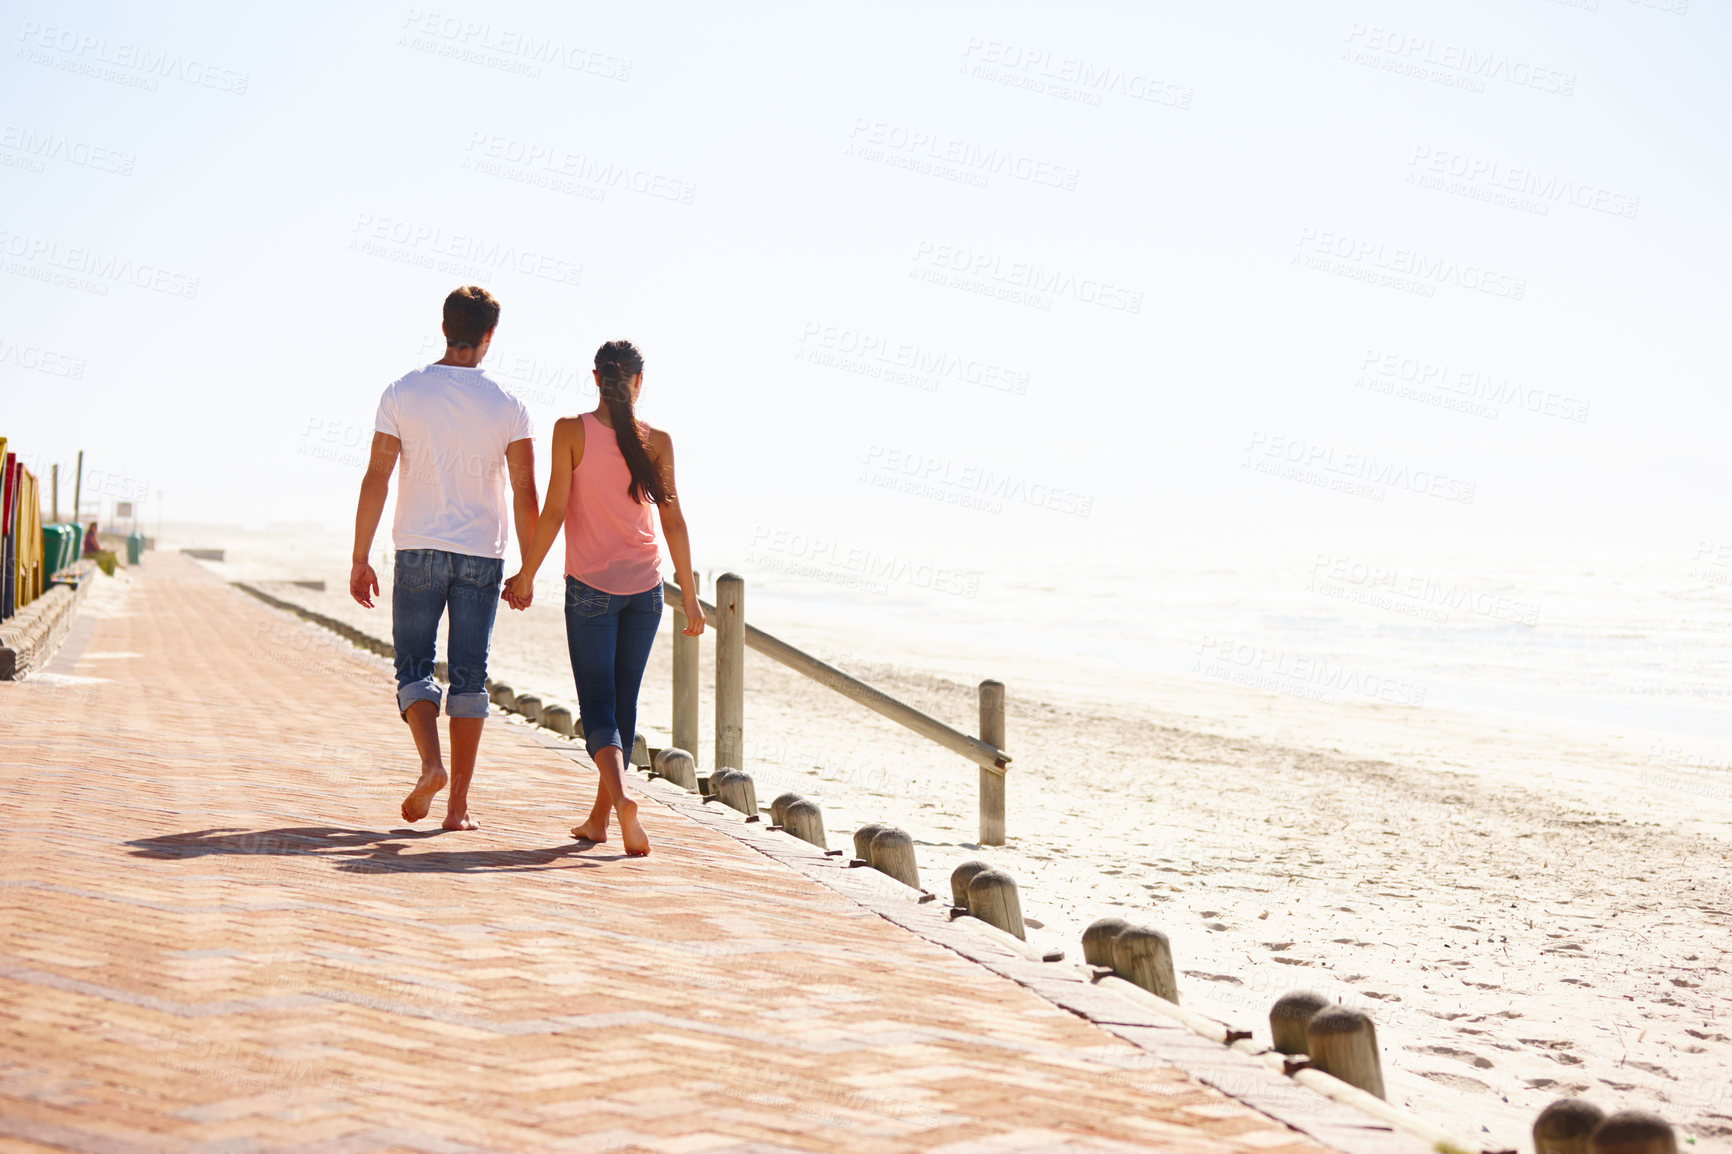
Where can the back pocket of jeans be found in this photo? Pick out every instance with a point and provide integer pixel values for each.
(486, 572)
(586, 600)
(415, 570)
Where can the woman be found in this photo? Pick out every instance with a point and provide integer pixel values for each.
(608, 469)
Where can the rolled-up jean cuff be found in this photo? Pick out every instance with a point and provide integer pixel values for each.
(466, 705)
(600, 740)
(423, 690)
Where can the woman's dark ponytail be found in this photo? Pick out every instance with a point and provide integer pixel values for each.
(616, 363)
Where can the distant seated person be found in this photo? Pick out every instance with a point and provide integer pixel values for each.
(104, 558)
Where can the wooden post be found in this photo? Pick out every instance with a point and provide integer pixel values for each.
(529, 705)
(78, 493)
(893, 854)
(54, 492)
(557, 718)
(730, 670)
(863, 840)
(779, 807)
(992, 780)
(730, 790)
(1633, 1132)
(959, 879)
(1564, 1126)
(1343, 1044)
(686, 679)
(1144, 957)
(712, 785)
(1288, 1018)
(992, 898)
(640, 754)
(734, 789)
(805, 820)
(501, 695)
(1097, 940)
(679, 767)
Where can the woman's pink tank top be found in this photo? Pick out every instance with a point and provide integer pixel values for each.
(609, 542)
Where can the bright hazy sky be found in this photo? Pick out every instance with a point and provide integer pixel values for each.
(1125, 255)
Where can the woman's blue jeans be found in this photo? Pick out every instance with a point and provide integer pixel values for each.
(610, 635)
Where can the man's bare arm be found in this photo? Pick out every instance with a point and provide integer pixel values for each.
(525, 502)
(567, 444)
(375, 487)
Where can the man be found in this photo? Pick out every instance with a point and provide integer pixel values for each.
(459, 434)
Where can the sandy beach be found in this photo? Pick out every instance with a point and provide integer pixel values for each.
(1526, 913)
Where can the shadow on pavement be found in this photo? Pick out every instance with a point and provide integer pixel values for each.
(363, 851)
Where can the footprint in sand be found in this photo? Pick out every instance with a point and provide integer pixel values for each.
(1455, 1081)
(1468, 1056)
(1206, 977)
(1651, 1068)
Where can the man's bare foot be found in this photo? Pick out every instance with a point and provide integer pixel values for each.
(591, 830)
(631, 834)
(420, 799)
(459, 821)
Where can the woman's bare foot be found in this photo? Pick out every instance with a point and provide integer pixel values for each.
(594, 827)
(591, 830)
(420, 799)
(459, 821)
(631, 834)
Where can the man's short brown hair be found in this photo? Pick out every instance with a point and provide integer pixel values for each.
(470, 314)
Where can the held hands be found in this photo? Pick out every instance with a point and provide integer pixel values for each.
(694, 614)
(519, 592)
(363, 583)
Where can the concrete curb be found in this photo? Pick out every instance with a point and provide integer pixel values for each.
(29, 639)
(342, 629)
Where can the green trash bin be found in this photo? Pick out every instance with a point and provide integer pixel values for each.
(59, 547)
(134, 547)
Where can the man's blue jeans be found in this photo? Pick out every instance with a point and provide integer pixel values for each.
(610, 635)
(429, 582)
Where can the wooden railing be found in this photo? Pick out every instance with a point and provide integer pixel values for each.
(734, 635)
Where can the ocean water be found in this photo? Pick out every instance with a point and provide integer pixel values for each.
(1637, 643)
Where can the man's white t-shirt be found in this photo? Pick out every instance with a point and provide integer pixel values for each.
(454, 424)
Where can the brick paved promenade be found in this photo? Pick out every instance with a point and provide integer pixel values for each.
(219, 936)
